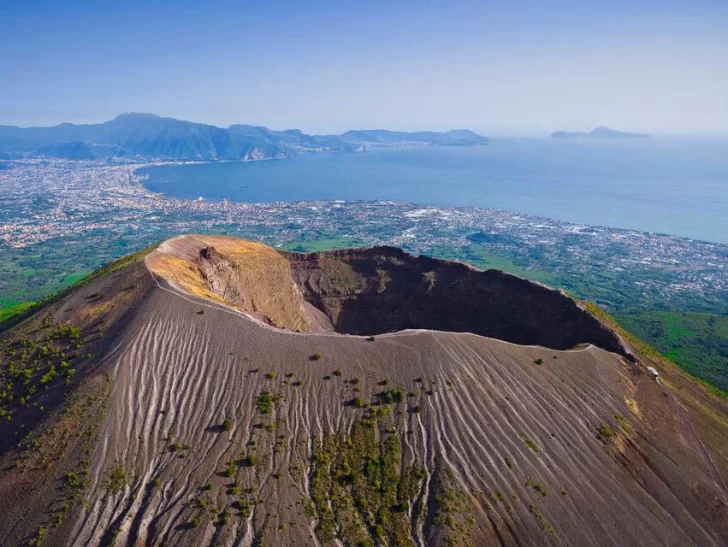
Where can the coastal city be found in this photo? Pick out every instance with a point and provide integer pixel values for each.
(73, 216)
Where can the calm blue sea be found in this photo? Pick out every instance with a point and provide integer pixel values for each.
(667, 185)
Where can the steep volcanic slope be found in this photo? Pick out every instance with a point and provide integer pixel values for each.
(191, 424)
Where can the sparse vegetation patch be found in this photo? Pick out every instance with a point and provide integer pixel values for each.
(530, 443)
(118, 479)
(361, 492)
(265, 402)
(605, 433)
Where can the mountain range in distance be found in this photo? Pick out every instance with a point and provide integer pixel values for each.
(600, 132)
(149, 136)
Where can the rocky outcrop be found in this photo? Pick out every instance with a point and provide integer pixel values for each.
(250, 277)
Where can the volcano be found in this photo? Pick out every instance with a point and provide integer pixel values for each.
(212, 390)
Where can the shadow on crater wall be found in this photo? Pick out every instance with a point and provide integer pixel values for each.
(383, 289)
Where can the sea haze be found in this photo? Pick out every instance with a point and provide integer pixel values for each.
(673, 186)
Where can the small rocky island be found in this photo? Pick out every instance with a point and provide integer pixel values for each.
(600, 132)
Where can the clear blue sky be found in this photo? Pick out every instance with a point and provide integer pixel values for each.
(501, 66)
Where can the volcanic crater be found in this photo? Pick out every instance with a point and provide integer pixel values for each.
(383, 290)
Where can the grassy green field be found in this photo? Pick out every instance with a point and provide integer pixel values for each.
(478, 256)
(313, 245)
(698, 342)
(9, 308)
(33, 273)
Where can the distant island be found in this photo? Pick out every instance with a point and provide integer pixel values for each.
(600, 132)
(148, 136)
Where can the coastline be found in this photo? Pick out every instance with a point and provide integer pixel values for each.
(458, 177)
